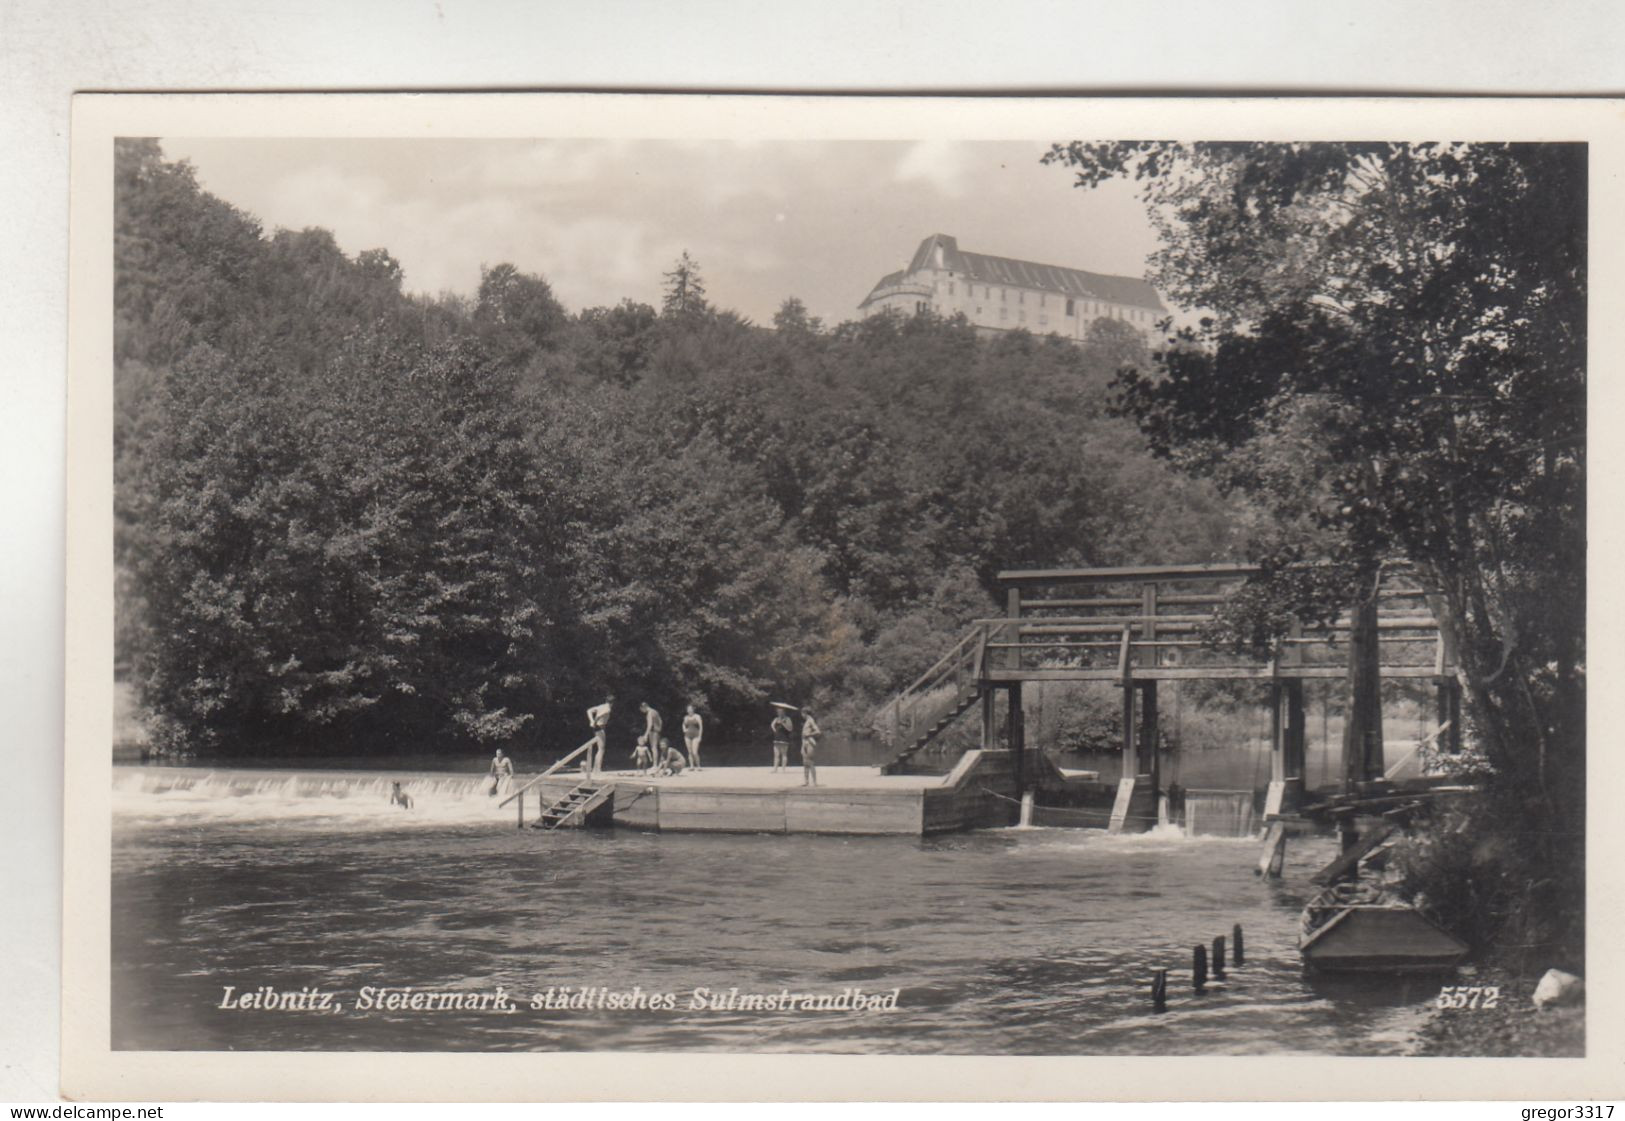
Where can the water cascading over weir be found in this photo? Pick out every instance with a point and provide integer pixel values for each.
(1134, 628)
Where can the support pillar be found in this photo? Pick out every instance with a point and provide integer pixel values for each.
(1287, 750)
(1012, 629)
(990, 720)
(1362, 728)
(1131, 755)
(1448, 693)
(1148, 762)
(1018, 736)
(1135, 809)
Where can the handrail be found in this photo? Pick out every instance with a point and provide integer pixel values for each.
(943, 663)
(547, 772)
(965, 654)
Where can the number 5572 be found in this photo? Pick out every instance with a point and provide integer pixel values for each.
(1469, 996)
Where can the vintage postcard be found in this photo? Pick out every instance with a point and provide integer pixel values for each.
(839, 598)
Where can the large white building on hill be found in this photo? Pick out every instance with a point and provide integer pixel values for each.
(1002, 294)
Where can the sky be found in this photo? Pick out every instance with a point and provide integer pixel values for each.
(601, 220)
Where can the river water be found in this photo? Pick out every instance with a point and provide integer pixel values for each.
(1013, 941)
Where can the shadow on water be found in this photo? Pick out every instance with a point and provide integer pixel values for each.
(1376, 990)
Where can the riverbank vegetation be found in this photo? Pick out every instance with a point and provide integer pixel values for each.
(1394, 365)
(354, 519)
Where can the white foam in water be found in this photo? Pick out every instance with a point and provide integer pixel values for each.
(341, 799)
(1220, 813)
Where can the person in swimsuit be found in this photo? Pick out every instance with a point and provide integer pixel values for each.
(401, 798)
(642, 757)
(809, 748)
(598, 721)
(652, 724)
(671, 760)
(501, 771)
(693, 728)
(782, 730)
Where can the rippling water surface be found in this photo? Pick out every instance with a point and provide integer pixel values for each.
(1017, 941)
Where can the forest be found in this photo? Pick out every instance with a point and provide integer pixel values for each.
(352, 519)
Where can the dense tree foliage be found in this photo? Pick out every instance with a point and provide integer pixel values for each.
(1395, 365)
(354, 519)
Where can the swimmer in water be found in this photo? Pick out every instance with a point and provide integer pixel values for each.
(399, 797)
(501, 771)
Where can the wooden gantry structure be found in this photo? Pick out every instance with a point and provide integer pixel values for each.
(1137, 627)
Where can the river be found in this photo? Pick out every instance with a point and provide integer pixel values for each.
(1012, 941)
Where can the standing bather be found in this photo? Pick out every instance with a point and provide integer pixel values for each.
(693, 728)
(809, 748)
(782, 729)
(652, 725)
(598, 721)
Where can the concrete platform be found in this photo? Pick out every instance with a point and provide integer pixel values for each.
(980, 792)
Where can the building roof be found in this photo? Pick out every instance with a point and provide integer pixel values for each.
(984, 268)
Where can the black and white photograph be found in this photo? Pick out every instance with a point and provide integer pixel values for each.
(730, 576)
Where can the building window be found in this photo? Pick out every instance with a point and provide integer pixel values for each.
(1004, 313)
(1022, 315)
(1043, 320)
(1004, 295)
(1069, 306)
(1021, 297)
(950, 288)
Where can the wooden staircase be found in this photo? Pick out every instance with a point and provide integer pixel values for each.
(920, 713)
(571, 810)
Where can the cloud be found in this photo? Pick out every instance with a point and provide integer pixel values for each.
(939, 163)
(601, 220)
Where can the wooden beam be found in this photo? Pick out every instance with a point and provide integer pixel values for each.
(1029, 576)
(1202, 673)
(1349, 860)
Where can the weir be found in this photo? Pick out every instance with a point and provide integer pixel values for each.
(1219, 813)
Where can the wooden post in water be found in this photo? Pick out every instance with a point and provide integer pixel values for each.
(1159, 991)
(1295, 746)
(1238, 954)
(1218, 958)
(521, 801)
(1273, 858)
(1286, 747)
(1127, 779)
(1348, 835)
(1199, 969)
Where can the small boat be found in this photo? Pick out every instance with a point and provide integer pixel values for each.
(1361, 928)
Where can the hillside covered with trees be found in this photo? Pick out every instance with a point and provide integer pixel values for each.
(354, 519)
